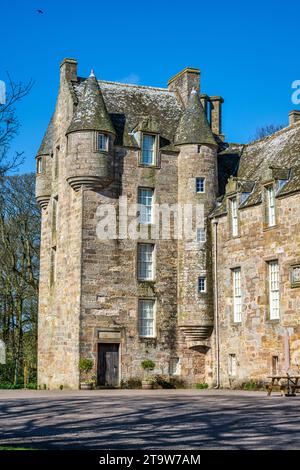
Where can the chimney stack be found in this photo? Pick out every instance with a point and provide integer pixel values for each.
(68, 70)
(183, 83)
(294, 117)
(216, 114)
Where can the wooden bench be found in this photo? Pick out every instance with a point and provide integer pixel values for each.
(288, 384)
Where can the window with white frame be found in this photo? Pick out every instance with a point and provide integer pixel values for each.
(237, 295)
(145, 200)
(234, 217)
(102, 141)
(200, 185)
(271, 206)
(201, 235)
(202, 284)
(147, 318)
(174, 366)
(148, 149)
(232, 365)
(39, 165)
(145, 261)
(274, 297)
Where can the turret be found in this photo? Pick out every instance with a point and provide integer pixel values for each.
(197, 185)
(44, 169)
(91, 135)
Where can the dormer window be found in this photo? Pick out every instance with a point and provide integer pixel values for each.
(39, 165)
(102, 142)
(148, 156)
(271, 206)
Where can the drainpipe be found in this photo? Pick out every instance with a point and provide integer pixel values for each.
(216, 302)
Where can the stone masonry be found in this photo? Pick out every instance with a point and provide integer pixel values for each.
(90, 288)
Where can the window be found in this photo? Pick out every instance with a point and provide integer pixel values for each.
(145, 261)
(237, 296)
(145, 199)
(274, 370)
(39, 165)
(234, 217)
(202, 284)
(147, 318)
(53, 266)
(54, 214)
(200, 185)
(148, 149)
(56, 161)
(102, 143)
(271, 206)
(274, 290)
(174, 366)
(232, 365)
(201, 235)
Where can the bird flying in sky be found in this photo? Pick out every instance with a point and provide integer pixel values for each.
(40, 12)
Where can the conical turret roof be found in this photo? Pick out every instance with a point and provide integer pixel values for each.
(193, 126)
(91, 112)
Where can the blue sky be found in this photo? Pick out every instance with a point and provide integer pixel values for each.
(248, 52)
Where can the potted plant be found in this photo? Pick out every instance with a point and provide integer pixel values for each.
(85, 367)
(147, 382)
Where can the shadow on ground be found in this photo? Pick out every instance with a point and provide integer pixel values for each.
(154, 420)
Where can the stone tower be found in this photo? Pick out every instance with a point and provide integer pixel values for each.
(197, 185)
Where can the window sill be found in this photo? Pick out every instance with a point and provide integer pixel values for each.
(144, 165)
(267, 228)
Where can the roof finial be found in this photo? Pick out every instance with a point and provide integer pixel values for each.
(92, 74)
(194, 91)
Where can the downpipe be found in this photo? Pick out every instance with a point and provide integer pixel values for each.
(216, 304)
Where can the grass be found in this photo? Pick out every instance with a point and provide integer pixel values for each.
(14, 448)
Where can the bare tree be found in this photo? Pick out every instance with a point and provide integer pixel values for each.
(265, 131)
(19, 270)
(10, 125)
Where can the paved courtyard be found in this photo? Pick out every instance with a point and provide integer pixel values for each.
(154, 419)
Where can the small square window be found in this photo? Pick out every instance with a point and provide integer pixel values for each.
(102, 143)
(200, 185)
(202, 284)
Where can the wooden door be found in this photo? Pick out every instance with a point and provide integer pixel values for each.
(108, 364)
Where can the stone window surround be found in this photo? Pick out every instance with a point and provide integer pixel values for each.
(153, 201)
(294, 284)
(267, 260)
(156, 163)
(230, 215)
(39, 165)
(140, 242)
(154, 300)
(233, 270)
(95, 141)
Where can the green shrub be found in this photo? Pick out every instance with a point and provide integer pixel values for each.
(131, 383)
(147, 364)
(201, 386)
(85, 365)
(253, 385)
(165, 381)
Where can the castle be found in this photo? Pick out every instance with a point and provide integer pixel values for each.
(218, 308)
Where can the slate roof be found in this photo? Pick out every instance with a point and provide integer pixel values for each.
(193, 126)
(91, 112)
(278, 151)
(127, 105)
(47, 142)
